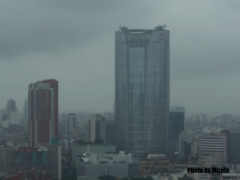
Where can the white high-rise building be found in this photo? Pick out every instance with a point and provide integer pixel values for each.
(213, 150)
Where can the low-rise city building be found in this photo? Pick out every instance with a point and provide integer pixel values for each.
(27, 158)
(6, 158)
(97, 164)
(80, 149)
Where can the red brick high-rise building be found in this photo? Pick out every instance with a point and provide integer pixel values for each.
(42, 112)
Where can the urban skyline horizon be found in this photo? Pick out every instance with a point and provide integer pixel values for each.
(188, 113)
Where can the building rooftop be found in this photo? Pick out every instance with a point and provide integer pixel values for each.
(31, 149)
(125, 29)
(99, 158)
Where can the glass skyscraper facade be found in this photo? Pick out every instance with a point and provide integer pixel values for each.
(142, 90)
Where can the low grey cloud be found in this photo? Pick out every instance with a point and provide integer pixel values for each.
(45, 27)
(73, 41)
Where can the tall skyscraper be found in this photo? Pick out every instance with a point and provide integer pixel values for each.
(11, 107)
(42, 112)
(142, 69)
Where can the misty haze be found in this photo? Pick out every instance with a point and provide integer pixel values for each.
(119, 83)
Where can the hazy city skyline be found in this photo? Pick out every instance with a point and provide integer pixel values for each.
(73, 42)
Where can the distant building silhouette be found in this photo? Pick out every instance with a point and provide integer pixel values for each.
(199, 117)
(109, 132)
(176, 126)
(26, 111)
(109, 116)
(95, 125)
(213, 150)
(233, 146)
(11, 107)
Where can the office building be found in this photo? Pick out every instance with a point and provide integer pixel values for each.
(95, 125)
(109, 132)
(142, 69)
(180, 144)
(3, 116)
(194, 148)
(118, 165)
(233, 145)
(42, 112)
(176, 126)
(71, 124)
(11, 107)
(6, 158)
(213, 150)
(156, 163)
(99, 128)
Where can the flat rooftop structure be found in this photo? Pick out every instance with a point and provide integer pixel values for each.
(156, 156)
(100, 158)
(95, 165)
(79, 149)
(31, 149)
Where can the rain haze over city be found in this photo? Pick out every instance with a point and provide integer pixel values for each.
(73, 42)
(119, 90)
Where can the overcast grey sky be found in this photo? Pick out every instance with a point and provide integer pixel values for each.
(73, 42)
